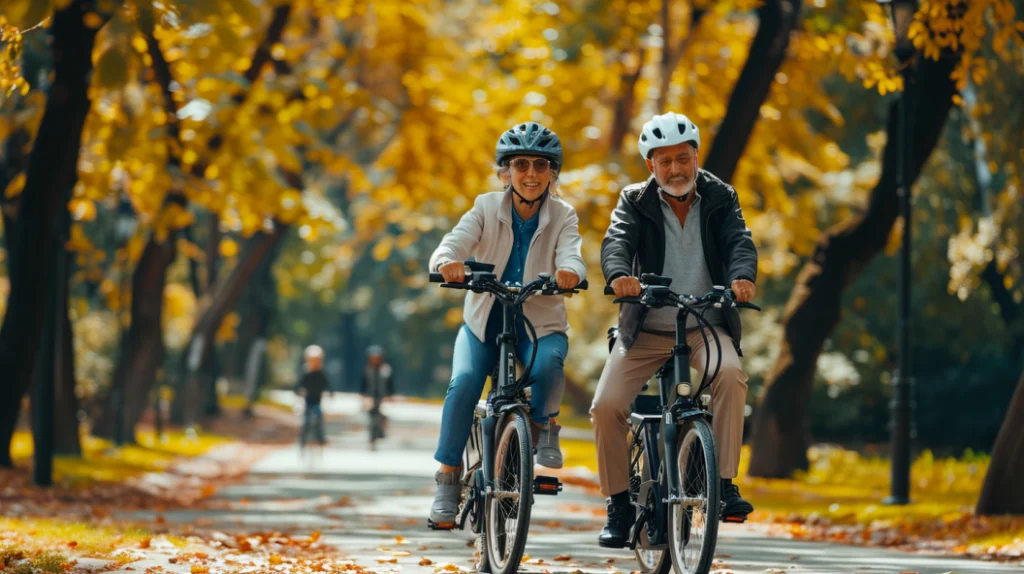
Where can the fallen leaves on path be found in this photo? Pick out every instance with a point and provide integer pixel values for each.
(996, 538)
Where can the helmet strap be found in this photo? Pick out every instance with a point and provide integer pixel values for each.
(679, 198)
(529, 202)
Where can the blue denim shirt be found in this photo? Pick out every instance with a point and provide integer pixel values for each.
(522, 236)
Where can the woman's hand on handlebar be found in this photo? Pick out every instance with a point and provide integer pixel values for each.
(566, 279)
(453, 272)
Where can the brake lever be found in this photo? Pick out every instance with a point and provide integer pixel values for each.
(627, 300)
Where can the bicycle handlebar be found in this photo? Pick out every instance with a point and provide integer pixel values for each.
(654, 292)
(477, 276)
(663, 297)
(481, 279)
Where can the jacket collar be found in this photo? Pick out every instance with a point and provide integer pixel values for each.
(505, 211)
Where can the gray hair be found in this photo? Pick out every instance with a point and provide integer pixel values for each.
(505, 175)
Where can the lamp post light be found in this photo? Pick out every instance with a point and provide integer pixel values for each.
(901, 14)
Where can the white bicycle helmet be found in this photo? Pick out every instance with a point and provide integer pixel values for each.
(667, 130)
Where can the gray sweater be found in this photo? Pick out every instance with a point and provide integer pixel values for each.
(684, 263)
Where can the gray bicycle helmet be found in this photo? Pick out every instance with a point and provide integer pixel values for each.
(529, 138)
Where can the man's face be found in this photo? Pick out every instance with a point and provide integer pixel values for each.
(376, 360)
(675, 168)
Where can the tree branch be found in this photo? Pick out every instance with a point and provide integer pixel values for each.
(768, 50)
(671, 57)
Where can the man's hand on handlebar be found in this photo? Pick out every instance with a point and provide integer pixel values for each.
(743, 290)
(626, 286)
(453, 272)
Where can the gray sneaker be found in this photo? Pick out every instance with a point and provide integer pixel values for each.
(446, 499)
(549, 453)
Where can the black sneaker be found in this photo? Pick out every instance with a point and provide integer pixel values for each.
(620, 521)
(734, 508)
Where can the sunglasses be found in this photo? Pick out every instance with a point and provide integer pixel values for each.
(522, 165)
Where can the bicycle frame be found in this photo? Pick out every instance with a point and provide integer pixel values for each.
(673, 410)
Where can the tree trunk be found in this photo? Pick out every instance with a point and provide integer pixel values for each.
(52, 173)
(262, 301)
(224, 295)
(16, 154)
(142, 351)
(624, 106)
(1000, 493)
(213, 236)
(670, 57)
(254, 373)
(780, 428)
(193, 265)
(142, 346)
(777, 18)
(66, 435)
(351, 351)
(216, 364)
(209, 377)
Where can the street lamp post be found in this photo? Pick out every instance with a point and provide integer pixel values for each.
(901, 14)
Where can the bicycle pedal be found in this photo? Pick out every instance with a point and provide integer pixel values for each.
(440, 526)
(735, 519)
(546, 485)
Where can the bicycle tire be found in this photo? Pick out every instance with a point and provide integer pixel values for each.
(477, 519)
(648, 561)
(508, 507)
(699, 480)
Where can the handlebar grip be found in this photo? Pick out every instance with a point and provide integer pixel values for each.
(582, 285)
(748, 306)
(608, 290)
(436, 278)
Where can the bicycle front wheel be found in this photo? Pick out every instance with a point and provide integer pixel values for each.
(508, 509)
(693, 521)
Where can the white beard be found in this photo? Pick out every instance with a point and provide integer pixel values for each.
(681, 193)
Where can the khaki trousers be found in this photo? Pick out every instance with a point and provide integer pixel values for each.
(624, 376)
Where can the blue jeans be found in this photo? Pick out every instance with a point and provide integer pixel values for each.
(312, 419)
(473, 362)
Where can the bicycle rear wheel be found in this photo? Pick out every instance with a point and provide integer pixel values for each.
(508, 508)
(693, 522)
(649, 561)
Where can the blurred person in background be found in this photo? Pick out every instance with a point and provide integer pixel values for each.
(312, 386)
(377, 384)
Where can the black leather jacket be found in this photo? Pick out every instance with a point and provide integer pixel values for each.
(635, 244)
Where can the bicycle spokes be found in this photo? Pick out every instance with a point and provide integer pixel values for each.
(694, 514)
(509, 508)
